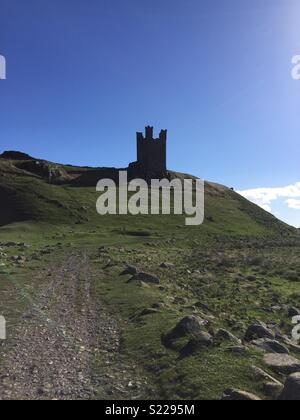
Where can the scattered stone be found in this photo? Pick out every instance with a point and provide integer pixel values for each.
(190, 325)
(167, 265)
(109, 264)
(226, 335)
(10, 244)
(237, 395)
(261, 375)
(291, 391)
(180, 300)
(276, 308)
(293, 312)
(130, 270)
(146, 278)
(202, 305)
(272, 389)
(258, 331)
(294, 347)
(158, 305)
(282, 363)
(203, 339)
(102, 249)
(149, 311)
(270, 345)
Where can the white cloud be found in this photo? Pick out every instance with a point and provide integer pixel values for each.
(293, 204)
(266, 207)
(264, 197)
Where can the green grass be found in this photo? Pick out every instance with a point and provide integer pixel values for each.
(238, 264)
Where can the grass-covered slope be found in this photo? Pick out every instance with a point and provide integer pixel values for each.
(35, 190)
(240, 267)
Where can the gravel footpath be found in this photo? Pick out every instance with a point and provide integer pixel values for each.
(67, 346)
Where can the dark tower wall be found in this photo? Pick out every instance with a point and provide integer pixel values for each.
(152, 153)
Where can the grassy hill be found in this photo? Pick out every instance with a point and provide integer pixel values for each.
(38, 190)
(240, 267)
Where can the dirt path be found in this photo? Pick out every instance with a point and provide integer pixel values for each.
(59, 340)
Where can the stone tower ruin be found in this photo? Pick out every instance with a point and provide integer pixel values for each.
(151, 153)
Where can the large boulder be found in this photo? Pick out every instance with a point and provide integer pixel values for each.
(129, 270)
(237, 395)
(272, 389)
(227, 336)
(256, 331)
(189, 326)
(282, 363)
(261, 375)
(291, 391)
(270, 346)
(203, 339)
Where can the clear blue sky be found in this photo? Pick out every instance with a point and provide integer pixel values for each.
(84, 75)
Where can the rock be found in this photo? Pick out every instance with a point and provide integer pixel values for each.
(189, 325)
(149, 311)
(256, 331)
(237, 395)
(270, 345)
(293, 312)
(203, 339)
(202, 305)
(272, 389)
(291, 391)
(294, 347)
(145, 278)
(158, 305)
(261, 375)
(130, 270)
(292, 344)
(276, 308)
(180, 300)
(282, 363)
(167, 265)
(226, 335)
